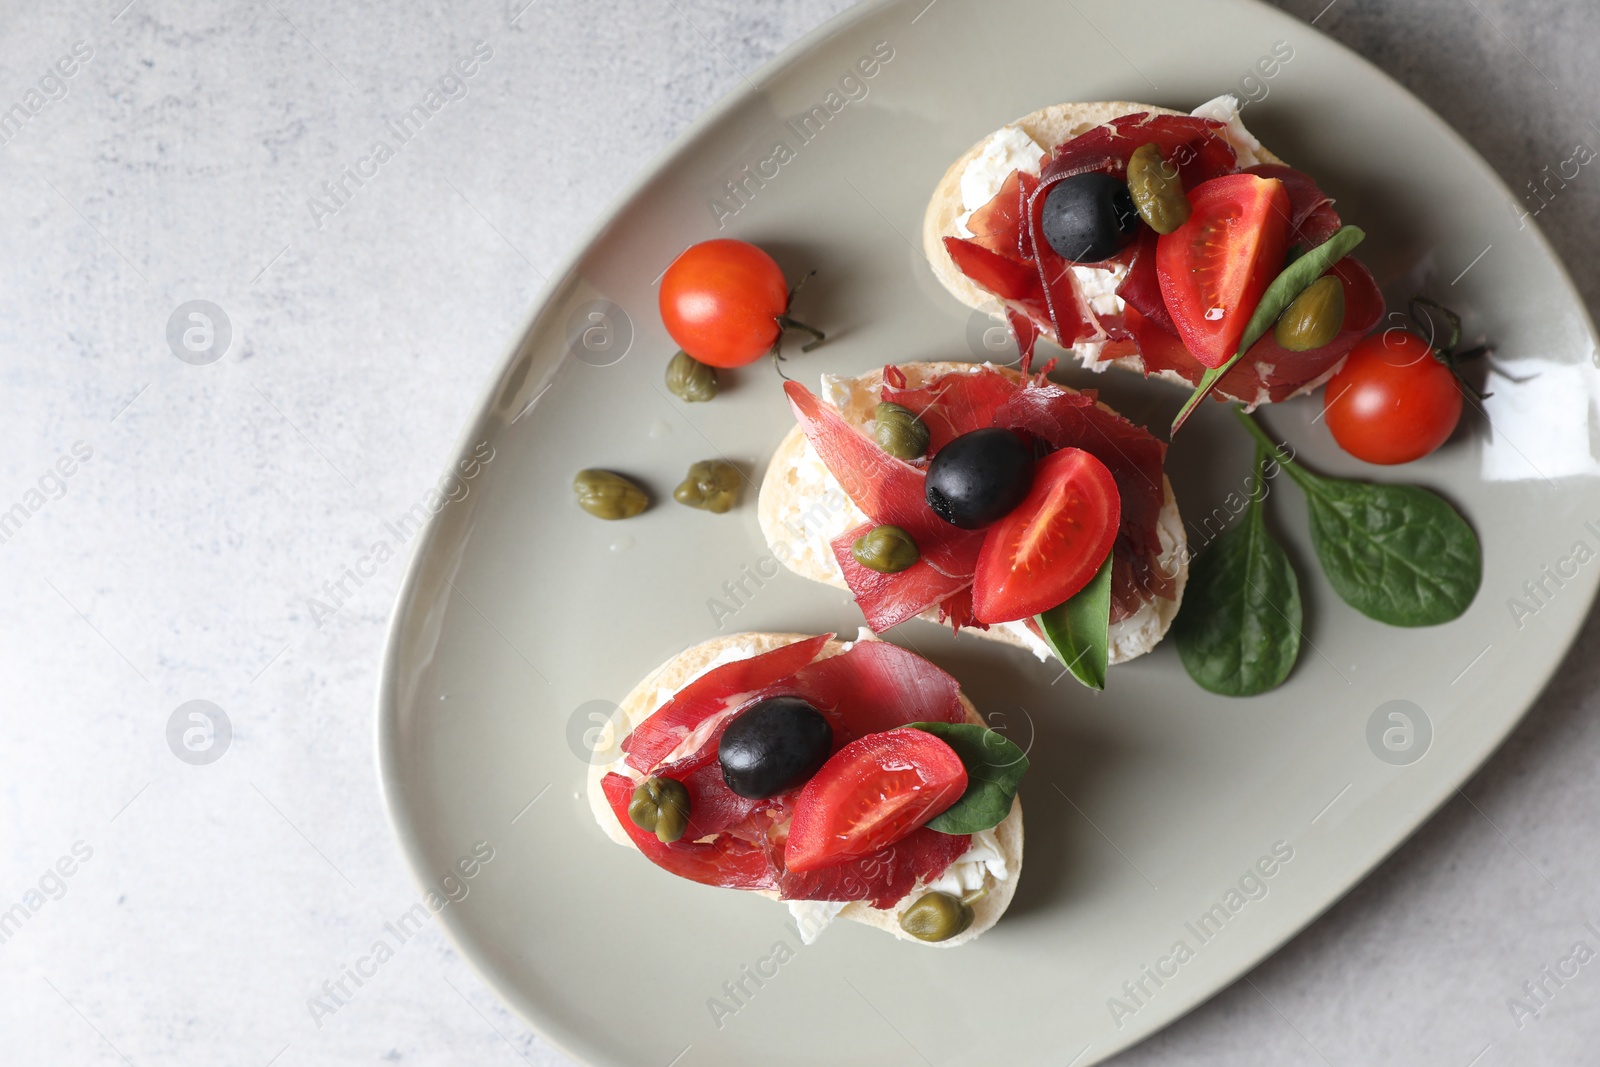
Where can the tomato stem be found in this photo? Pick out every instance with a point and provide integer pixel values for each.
(787, 323)
(777, 363)
(1422, 310)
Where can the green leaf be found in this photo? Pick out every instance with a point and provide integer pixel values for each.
(995, 768)
(1397, 553)
(1290, 283)
(1077, 629)
(1238, 632)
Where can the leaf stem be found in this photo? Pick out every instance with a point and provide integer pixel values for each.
(1265, 445)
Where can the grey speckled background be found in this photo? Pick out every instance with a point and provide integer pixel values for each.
(175, 564)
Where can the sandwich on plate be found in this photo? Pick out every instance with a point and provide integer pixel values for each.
(986, 498)
(1140, 237)
(850, 780)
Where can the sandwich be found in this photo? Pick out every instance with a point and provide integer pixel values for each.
(1113, 231)
(850, 780)
(1093, 530)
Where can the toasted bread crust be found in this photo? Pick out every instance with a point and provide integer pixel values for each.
(675, 673)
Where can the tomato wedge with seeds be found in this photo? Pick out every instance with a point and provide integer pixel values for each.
(1052, 543)
(1214, 268)
(873, 792)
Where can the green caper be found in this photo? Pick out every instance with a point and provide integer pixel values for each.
(1156, 189)
(885, 549)
(689, 379)
(608, 496)
(712, 484)
(899, 431)
(1314, 317)
(936, 917)
(661, 806)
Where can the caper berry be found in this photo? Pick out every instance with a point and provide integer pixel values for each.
(689, 379)
(661, 806)
(712, 484)
(885, 549)
(1156, 189)
(608, 496)
(936, 917)
(899, 431)
(1314, 318)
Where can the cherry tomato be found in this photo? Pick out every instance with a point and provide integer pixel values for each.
(1052, 543)
(1392, 401)
(721, 301)
(1214, 268)
(870, 794)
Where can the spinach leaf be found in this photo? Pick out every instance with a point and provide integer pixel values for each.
(1397, 553)
(1290, 283)
(1238, 632)
(995, 767)
(1077, 629)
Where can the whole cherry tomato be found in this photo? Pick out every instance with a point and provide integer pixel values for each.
(1393, 401)
(726, 303)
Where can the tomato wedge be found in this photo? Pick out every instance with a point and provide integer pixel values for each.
(1052, 543)
(1214, 268)
(870, 794)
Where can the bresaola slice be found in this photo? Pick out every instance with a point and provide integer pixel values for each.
(887, 600)
(724, 861)
(876, 686)
(664, 731)
(890, 490)
(882, 879)
(1140, 288)
(1196, 146)
(1311, 214)
(955, 404)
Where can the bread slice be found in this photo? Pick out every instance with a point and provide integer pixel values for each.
(1048, 127)
(683, 668)
(801, 508)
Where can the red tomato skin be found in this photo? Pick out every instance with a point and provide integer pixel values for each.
(1214, 341)
(1392, 401)
(720, 301)
(904, 777)
(1006, 589)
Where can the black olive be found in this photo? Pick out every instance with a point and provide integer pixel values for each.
(979, 477)
(1089, 217)
(772, 746)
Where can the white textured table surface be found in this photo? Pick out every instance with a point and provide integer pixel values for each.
(207, 905)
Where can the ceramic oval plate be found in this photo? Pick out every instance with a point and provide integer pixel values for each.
(1174, 838)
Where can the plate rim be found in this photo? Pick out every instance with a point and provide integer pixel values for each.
(388, 699)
